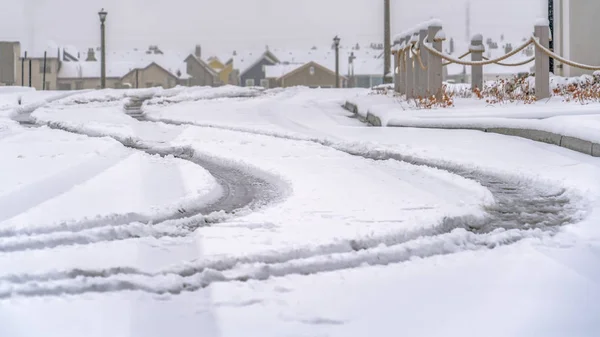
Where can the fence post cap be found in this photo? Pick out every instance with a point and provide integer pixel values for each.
(477, 38)
(434, 23)
(542, 22)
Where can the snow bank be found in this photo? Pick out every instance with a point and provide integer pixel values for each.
(567, 119)
(198, 93)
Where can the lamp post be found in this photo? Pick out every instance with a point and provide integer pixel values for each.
(387, 39)
(551, 23)
(102, 14)
(336, 42)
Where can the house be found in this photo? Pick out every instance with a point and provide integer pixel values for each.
(44, 75)
(576, 34)
(363, 67)
(310, 74)
(227, 74)
(130, 69)
(9, 62)
(251, 67)
(200, 72)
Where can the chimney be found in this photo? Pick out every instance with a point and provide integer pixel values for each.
(91, 55)
(198, 51)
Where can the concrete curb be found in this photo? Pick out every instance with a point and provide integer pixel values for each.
(571, 143)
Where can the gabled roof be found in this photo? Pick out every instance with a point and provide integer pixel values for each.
(246, 61)
(148, 66)
(202, 64)
(306, 65)
(120, 64)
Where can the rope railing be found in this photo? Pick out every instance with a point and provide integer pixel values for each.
(416, 80)
(562, 59)
(460, 58)
(417, 53)
(529, 60)
(477, 63)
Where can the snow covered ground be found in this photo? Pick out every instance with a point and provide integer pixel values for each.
(377, 231)
(569, 119)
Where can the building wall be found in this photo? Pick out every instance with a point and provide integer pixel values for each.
(225, 73)
(320, 78)
(256, 72)
(152, 76)
(200, 75)
(580, 32)
(9, 59)
(37, 75)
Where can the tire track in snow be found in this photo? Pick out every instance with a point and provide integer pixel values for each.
(242, 192)
(522, 211)
(76, 282)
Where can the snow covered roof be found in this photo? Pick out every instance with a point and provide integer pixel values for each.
(243, 61)
(367, 61)
(120, 63)
(279, 70)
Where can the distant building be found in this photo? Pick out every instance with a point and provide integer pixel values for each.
(576, 34)
(251, 67)
(310, 74)
(51, 69)
(9, 62)
(129, 69)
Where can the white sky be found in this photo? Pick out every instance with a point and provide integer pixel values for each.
(225, 25)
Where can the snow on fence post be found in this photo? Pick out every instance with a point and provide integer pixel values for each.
(477, 48)
(409, 69)
(542, 60)
(400, 77)
(422, 84)
(434, 69)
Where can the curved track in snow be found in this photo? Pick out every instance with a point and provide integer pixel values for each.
(522, 210)
(242, 191)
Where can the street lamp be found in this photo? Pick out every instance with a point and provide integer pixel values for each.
(336, 42)
(102, 14)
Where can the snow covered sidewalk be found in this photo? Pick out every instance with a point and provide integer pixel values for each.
(570, 125)
(368, 218)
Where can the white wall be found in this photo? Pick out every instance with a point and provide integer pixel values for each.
(581, 32)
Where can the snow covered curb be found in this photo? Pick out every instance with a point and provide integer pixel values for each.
(530, 129)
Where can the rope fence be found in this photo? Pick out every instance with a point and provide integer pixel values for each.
(420, 62)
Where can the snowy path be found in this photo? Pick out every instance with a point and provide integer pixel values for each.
(371, 228)
(520, 211)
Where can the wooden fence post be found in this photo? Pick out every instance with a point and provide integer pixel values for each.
(422, 79)
(434, 68)
(400, 77)
(542, 61)
(477, 48)
(409, 70)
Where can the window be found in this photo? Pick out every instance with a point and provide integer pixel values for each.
(312, 70)
(250, 82)
(189, 68)
(79, 85)
(48, 68)
(264, 68)
(264, 83)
